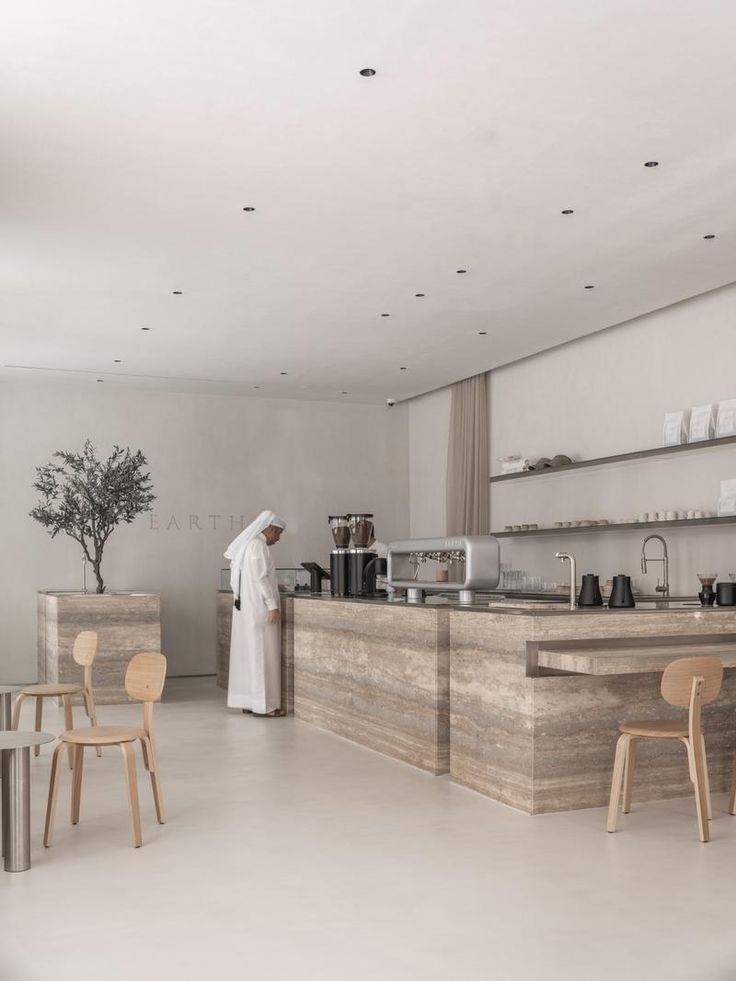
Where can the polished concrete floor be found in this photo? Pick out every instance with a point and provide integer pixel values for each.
(295, 854)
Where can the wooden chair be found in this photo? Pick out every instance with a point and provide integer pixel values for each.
(84, 653)
(689, 682)
(144, 681)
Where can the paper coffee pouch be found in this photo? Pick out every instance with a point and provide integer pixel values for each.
(702, 423)
(674, 431)
(727, 499)
(726, 424)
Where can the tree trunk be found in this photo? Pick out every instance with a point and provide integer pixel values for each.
(98, 576)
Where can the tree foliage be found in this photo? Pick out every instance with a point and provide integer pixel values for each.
(86, 498)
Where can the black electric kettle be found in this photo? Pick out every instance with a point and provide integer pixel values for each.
(622, 595)
(590, 591)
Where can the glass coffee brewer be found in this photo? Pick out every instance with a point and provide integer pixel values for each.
(361, 559)
(339, 556)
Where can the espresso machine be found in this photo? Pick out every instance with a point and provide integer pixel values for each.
(340, 554)
(361, 559)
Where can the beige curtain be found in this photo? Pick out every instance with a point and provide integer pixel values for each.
(468, 466)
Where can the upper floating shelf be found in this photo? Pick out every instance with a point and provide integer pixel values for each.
(603, 461)
(628, 526)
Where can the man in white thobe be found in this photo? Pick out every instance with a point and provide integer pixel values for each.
(255, 639)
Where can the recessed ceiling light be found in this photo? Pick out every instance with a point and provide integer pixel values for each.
(419, 294)
(402, 369)
(116, 360)
(283, 372)
(482, 333)
(590, 287)
(461, 270)
(343, 393)
(367, 72)
(568, 211)
(709, 236)
(99, 379)
(177, 292)
(652, 163)
(249, 209)
(385, 314)
(145, 328)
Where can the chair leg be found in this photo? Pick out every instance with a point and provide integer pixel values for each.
(89, 704)
(149, 757)
(69, 724)
(132, 780)
(618, 775)
(701, 804)
(732, 798)
(16, 710)
(77, 782)
(706, 779)
(39, 718)
(48, 833)
(629, 765)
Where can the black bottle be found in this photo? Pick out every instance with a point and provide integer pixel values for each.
(622, 596)
(590, 591)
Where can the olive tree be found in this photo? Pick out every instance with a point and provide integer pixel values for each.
(86, 498)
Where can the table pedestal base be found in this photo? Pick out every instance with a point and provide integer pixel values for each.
(16, 808)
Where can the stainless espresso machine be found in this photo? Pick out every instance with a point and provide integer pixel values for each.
(340, 554)
(361, 559)
(473, 560)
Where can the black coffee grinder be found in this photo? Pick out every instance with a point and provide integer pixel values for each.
(361, 562)
(339, 556)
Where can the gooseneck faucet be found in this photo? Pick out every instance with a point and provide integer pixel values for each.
(563, 556)
(664, 589)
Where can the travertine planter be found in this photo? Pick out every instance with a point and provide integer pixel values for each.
(126, 624)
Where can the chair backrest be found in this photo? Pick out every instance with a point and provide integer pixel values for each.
(145, 676)
(677, 680)
(85, 648)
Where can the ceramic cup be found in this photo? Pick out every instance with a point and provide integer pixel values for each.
(671, 515)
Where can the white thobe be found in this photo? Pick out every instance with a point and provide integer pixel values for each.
(255, 644)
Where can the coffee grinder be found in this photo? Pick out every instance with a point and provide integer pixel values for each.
(361, 561)
(340, 554)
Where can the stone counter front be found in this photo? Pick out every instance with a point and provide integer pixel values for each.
(544, 741)
(377, 674)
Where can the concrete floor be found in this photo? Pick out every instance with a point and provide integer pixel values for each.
(295, 854)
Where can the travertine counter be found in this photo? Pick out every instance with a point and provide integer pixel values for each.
(438, 686)
(376, 673)
(543, 740)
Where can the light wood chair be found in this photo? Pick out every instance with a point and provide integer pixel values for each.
(144, 681)
(689, 682)
(84, 653)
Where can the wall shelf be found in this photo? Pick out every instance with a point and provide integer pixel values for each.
(603, 461)
(606, 529)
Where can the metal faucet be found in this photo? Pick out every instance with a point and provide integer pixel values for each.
(573, 576)
(664, 589)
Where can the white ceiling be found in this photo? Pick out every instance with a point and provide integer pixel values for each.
(134, 133)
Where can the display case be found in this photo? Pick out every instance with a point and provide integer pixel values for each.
(292, 580)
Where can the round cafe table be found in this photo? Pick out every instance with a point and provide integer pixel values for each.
(16, 796)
